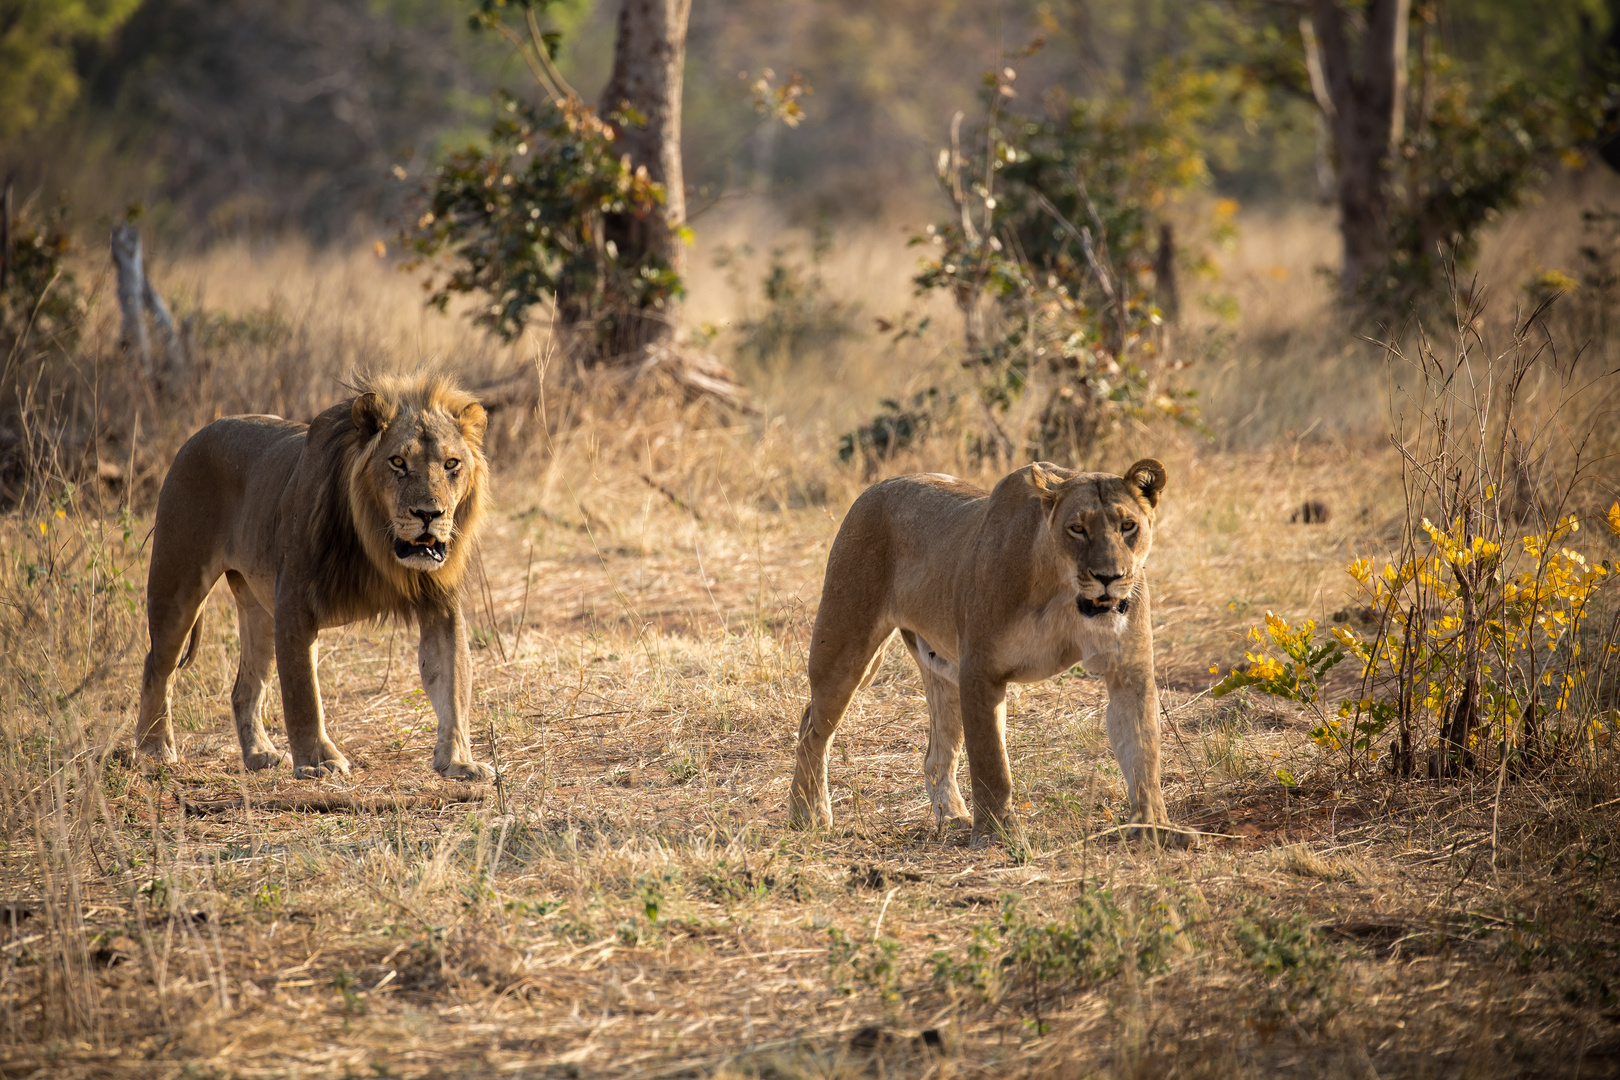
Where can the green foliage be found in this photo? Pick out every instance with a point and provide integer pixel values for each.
(37, 42)
(1289, 955)
(1478, 154)
(1094, 940)
(798, 315)
(1051, 254)
(869, 963)
(41, 299)
(522, 220)
(894, 428)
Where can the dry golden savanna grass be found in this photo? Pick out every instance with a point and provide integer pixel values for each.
(628, 901)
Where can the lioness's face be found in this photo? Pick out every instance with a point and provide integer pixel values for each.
(421, 469)
(1105, 525)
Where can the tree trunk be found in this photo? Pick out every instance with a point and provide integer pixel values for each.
(649, 59)
(1365, 84)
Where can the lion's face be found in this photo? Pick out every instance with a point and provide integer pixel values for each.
(1104, 526)
(420, 467)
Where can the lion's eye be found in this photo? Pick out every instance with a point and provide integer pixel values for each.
(1127, 526)
(452, 465)
(1077, 530)
(397, 462)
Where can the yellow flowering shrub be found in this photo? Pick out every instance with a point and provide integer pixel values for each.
(1478, 645)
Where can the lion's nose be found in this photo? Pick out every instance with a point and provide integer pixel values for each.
(1106, 580)
(427, 516)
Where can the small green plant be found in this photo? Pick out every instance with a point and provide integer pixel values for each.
(870, 963)
(269, 899)
(682, 769)
(1291, 960)
(344, 982)
(1037, 958)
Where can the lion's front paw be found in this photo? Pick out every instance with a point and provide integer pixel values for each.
(473, 772)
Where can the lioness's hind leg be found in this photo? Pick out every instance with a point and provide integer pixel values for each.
(837, 669)
(258, 631)
(944, 749)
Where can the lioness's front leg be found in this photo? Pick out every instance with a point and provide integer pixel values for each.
(314, 755)
(446, 665)
(984, 730)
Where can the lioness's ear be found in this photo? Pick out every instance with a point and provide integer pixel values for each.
(1147, 476)
(1044, 481)
(370, 414)
(473, 420)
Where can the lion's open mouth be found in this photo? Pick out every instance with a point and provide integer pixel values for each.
(1104, 605)
(426, 544)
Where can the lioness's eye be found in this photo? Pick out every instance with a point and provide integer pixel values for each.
(1127, 525)
(1078, 530)
(397, 462)
(452, 465)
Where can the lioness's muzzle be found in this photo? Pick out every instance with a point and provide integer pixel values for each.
(426, 544)
(1104, 605)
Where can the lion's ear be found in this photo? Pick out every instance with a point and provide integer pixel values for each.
(1147, 476)
(370, 414)
(474, 421)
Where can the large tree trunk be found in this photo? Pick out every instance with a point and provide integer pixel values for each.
(649, 59)
(1365, 84)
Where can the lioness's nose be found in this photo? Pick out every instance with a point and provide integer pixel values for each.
(427, 516)
(1106, 580)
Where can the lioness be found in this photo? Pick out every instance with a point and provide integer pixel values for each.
(373, 509)
(1017, 585)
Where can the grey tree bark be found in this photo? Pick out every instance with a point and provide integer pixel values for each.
(1362, 94)
(649, 61)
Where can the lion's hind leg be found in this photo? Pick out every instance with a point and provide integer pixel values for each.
(837, 670)
(171, 619)
(258, 632)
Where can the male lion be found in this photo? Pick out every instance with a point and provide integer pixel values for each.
(1016, 585)
(371, 510)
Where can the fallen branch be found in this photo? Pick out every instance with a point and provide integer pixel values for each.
(327, 802)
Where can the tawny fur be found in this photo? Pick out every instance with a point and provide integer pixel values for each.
(371, 510)
(1015, 585)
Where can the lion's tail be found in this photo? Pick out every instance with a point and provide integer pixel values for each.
(191, 644)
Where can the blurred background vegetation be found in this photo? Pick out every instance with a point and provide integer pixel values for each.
(232, 117)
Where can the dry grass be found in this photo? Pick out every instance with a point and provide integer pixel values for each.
(628, 902)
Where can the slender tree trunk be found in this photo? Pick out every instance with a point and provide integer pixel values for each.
(1365, 104)
(649, 60)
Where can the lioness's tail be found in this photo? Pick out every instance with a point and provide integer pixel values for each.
(191, 644)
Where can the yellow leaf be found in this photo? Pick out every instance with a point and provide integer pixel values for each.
(1614, 519)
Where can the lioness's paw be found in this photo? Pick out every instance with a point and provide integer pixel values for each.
(320, 770)
(1168, 836)
(256, 760)
(157, 753)
(474, 772)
